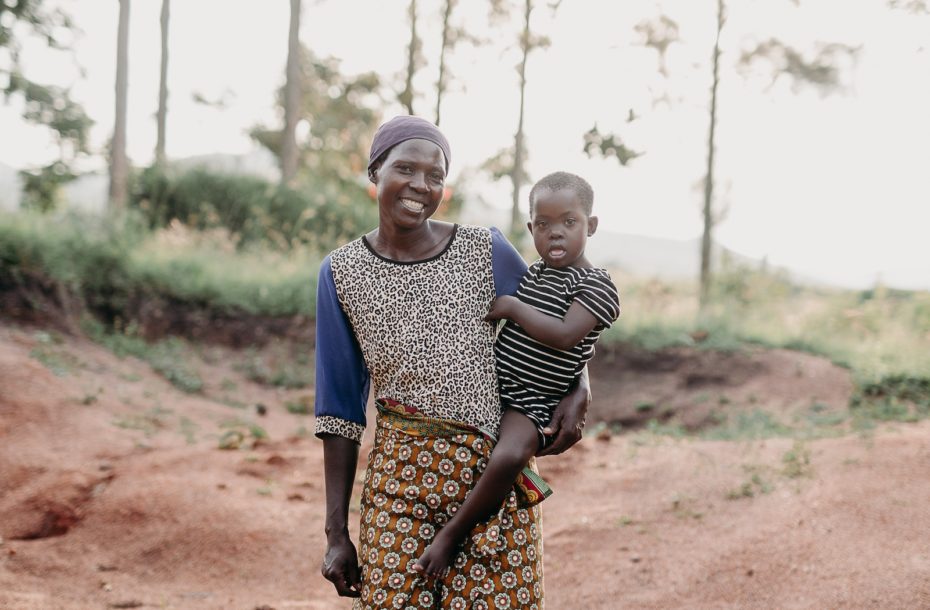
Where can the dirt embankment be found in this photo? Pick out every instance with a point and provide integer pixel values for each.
(114, 493)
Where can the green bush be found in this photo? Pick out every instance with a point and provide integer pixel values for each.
(322, 213)
(110, 266)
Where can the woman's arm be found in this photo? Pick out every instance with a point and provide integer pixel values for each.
(340, 564)
(559, 333)
(341, 392)
(568, 420)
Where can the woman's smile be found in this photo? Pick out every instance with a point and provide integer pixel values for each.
(412, 206)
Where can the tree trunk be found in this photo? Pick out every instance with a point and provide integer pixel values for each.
(707, 238)
(291, 99)
(119, 164)
(163, 85)
(441, 82)
(406, 97)
(516, 176)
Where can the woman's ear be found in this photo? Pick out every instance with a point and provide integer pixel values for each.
(373, 173)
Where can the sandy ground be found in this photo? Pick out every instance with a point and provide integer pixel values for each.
(114, 493)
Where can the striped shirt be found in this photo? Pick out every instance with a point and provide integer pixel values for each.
(533, 377)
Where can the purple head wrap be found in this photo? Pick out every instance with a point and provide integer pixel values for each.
(406, 127)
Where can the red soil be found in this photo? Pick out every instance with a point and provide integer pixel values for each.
(114, 493)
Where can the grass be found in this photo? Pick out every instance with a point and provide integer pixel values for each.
(168, 358)
(279, 366)
(107, 265)
(797, 461)
(875, 333)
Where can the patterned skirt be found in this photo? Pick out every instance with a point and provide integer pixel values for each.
(419, 472)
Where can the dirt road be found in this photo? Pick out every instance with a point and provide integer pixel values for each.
(114, 493)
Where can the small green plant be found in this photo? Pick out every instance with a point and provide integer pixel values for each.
(168, 358)
(747, 425)
(654, 426)
(188, 429)
(279, 370)
(149, 423)
(241, 434)
(796, 461)
(300, 407)
(53, 357)
(755, 485)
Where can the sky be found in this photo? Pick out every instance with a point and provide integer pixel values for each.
(836, 187)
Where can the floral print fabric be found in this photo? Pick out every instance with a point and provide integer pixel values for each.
(419, 471)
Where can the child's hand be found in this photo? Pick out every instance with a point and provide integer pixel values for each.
(500, 308)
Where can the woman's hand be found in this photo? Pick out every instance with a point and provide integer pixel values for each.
(501, 308)
(568, 420)
(340, 566)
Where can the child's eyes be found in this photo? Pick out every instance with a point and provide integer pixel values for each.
(570, 221)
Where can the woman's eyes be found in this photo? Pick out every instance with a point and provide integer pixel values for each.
(435, 177)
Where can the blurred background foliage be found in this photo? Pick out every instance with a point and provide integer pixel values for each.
(234, 244)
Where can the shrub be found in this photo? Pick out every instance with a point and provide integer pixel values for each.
(322, 213)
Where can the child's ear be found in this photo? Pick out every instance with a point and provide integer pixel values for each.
(592, 225)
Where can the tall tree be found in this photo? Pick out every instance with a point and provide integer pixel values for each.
(517, 174)
(45, 105)
(291, 99)
(343, 114)
(511, 162)
(163, 84)
(119, 163)
(414, 60)
(708, 212)
(448, 40)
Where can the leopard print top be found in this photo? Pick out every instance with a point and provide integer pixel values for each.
(420, 327)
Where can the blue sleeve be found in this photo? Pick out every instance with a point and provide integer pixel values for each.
(507, 263)
(341, 375)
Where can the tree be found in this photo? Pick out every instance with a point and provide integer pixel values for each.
(291, 99)
(821, 71)
(511, 162)
(707, 211)
(119, 163)
(163, 84)
(342, 112)
(414, 60)
(45, 105)
(448, 41)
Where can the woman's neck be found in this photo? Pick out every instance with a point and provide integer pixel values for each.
(416, 244)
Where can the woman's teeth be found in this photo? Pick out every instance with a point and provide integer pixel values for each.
(414, 206)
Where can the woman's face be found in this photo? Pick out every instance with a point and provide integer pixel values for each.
(410, 183)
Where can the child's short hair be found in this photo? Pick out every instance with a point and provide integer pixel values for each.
(556, 181)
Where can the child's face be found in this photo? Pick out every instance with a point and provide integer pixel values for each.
(561, 228)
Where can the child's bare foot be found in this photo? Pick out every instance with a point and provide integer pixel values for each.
(437, 557)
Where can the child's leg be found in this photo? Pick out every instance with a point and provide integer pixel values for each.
(518, 442)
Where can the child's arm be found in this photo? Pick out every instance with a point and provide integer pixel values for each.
(562, 334)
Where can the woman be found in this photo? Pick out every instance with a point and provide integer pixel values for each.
(402, 308)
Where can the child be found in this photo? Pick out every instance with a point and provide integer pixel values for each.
(561, 307)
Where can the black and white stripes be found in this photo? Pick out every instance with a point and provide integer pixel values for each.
(533, 377)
